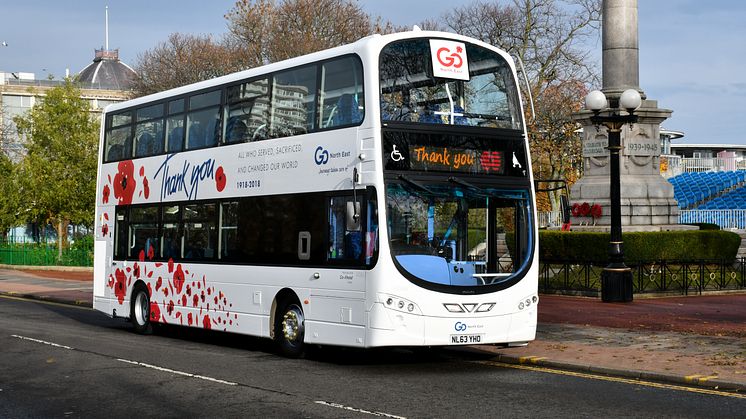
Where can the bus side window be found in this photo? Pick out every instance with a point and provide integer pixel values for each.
(203, 120)
(120, 233)
(293, 102)
(143, 226)
(175, 126)
(345, 235)
(118, 143)
(200, 232)
(247, 111)
(229, 239)
(342, 96)
(171, 232)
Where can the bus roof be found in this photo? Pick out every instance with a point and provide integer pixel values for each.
(369, 43)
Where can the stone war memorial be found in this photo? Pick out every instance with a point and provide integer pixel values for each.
(647, 199)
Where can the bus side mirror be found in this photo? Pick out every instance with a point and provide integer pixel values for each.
(353, 216)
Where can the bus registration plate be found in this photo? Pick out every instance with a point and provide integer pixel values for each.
(476, 338)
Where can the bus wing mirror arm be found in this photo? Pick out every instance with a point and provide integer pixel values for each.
(355, 180)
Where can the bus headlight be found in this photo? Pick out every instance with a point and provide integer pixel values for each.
(399, 304)
(528, 302)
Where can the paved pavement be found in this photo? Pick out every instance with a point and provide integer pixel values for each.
(695, 340)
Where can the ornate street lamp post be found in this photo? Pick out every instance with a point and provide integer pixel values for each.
(616, 278)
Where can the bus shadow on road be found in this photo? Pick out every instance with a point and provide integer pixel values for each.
(314, 353)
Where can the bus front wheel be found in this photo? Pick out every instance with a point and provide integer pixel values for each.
(140, 312)
(290, 329)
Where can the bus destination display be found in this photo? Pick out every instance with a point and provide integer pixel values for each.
(450, 159)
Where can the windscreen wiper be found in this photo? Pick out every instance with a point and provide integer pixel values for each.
(414, 183)
(462, 182)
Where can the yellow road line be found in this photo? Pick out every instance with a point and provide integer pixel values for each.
(616, 379)
(531, 359)
(51, 303)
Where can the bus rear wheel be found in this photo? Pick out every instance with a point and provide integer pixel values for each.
(290, 329)
(140, 312)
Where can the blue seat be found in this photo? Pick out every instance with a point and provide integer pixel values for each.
(175, 139)
(145, 145)
(347, 111)
(428, 115)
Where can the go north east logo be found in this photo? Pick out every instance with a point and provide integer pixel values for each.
(321, 156)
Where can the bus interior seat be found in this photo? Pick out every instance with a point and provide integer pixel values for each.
(346, 111)
(236, 130)
(196, 136)
(353, 242)
(428, 115)
(116, 152)
(212, 133)
(145, 145)
(175, 139)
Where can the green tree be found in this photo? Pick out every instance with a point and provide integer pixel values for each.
(56, 180)
(8, 207)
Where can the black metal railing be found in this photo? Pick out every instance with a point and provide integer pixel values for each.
(650, 277)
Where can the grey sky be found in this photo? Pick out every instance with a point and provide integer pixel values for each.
(692, 52)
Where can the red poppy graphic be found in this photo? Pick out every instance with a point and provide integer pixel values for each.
(124, 182)
(136, 270)
(155, 312)
(107, 192)
(158, 283)
(170, 265)
(170, 307)
(146, 188)
(206, 322)
(105, 229)
(151, 252)
(220, 179)
(178, 279)
(189, 319)
(120, 285)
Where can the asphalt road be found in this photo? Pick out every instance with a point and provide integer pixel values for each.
(62, 361)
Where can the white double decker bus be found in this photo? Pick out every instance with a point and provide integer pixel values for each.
(374, 194)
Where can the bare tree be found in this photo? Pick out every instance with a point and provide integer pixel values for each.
(260, 32)
(184, 59)
(272, 31)
(547, 36)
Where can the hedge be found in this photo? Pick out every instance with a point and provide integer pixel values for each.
(681, 246)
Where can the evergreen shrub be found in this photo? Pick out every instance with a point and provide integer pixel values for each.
(678, 246)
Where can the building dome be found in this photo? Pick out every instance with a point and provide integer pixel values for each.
(107, 72)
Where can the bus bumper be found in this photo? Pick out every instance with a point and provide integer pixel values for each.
(393, 328)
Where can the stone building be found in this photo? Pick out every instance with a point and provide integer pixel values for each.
(106, 80)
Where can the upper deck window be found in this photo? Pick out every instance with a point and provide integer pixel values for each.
(318, 96)
(149, 131)
(119, 137)
(413, 89)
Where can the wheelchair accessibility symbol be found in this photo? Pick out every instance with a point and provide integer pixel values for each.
(396, 155)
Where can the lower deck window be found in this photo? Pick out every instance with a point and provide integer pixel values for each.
(298, 229)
